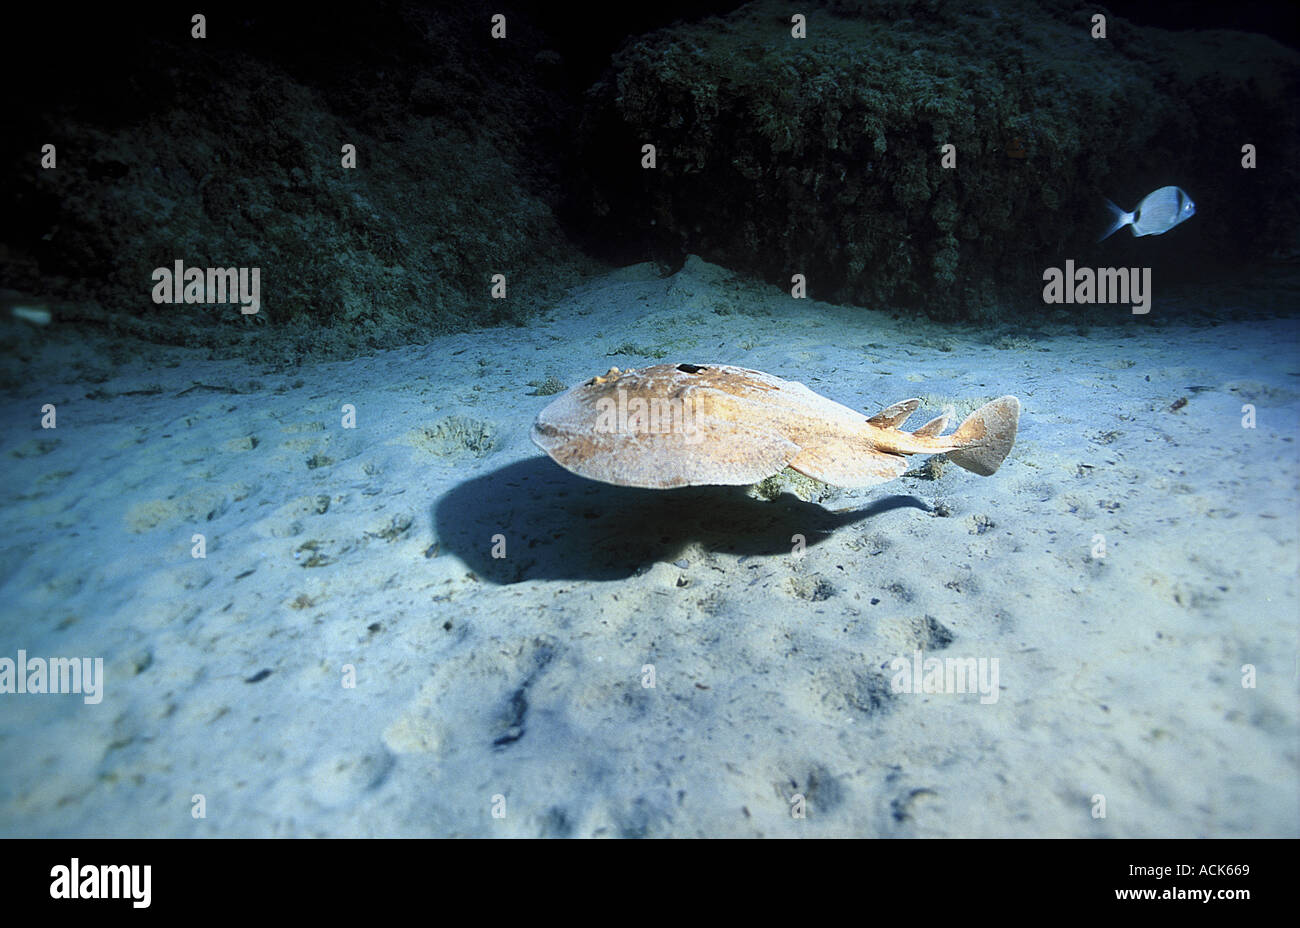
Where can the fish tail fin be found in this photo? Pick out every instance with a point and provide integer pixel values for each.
(1119, 219)
(986, 437)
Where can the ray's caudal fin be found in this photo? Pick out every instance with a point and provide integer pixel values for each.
(986, 436)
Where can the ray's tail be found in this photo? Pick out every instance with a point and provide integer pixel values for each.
(986, 437)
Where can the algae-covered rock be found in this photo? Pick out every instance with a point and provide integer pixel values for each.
(230, 152)
(791, 481)
(822, 155)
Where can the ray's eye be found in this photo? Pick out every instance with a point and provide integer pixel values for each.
(690, 368)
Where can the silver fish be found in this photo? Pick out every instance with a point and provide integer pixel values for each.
(1158, 213)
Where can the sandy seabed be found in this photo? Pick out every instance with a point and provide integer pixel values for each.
(351, 659)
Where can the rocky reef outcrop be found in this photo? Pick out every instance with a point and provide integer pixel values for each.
(227, 151)
(822, 155)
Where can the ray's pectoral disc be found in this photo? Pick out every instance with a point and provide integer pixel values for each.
(675, 425)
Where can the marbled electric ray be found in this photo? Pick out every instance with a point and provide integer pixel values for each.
(676, 425)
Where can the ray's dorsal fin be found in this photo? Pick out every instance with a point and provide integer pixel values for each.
(894, 416)
(932, 428)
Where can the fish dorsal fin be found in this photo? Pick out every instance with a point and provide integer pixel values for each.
(894, 416)
(933, 428)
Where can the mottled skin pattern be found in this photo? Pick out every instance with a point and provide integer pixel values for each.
(682, 424)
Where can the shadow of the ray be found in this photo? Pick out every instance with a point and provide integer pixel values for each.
(557, 526)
